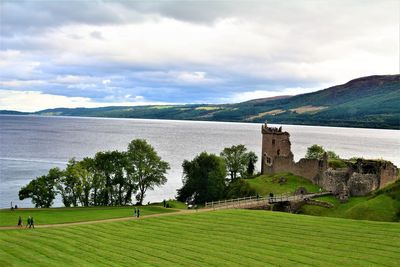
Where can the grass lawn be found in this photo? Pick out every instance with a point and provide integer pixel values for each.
(214, 238)
(66, 215)
(266, 184)
(174, 204)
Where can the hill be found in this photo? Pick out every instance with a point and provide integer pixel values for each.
(214, 238)
(370, 102)
(381, 205)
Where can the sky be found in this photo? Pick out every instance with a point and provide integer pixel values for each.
(125, 53)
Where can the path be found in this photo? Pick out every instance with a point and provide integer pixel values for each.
(131, 218)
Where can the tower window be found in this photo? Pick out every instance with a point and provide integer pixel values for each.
(273, 142)
(278, 152)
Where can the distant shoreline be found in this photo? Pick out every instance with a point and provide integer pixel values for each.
(189, 120)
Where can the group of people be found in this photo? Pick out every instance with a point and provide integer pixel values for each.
(136, 212)
(29, 223)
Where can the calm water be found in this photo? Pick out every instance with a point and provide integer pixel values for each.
(32, 145)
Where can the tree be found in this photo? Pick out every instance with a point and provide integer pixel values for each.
(315, 152)
(239, 188)
(86, 172)
(145, 167)
(204, 179)
(106, 168)
(332, 155)
(236, 160)
(42, 189)
(70, 184)
(251, 162)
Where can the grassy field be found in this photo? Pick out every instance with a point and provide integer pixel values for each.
(214, 238)
(266, 184)
(66, 215)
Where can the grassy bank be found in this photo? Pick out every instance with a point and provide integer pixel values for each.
(67, 215)
(265, 184)
(219, 238)
(382, 205)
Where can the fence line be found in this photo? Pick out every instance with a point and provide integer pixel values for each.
(254, 200)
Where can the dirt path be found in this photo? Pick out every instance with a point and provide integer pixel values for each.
(105, 220)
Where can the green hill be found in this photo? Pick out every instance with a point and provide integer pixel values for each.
(266, 184)
(214, 238)
(371, 102)
(382, 205)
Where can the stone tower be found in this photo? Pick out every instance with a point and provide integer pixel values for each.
(275, 144)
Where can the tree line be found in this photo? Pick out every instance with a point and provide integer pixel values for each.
(115, 178)
(210, 177)
(110, 178)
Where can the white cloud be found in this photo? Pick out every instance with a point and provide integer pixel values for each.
(250, 95)
(30, 101)
(194, 51)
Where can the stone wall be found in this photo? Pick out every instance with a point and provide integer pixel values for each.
(387, 172)
(309, 168)
(358, 179)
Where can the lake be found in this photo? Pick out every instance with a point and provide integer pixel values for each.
(31, 145)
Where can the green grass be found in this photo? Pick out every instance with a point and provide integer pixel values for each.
(173, 204)
(66, 215)
(266, 184)
(379, 208)
(216, 238)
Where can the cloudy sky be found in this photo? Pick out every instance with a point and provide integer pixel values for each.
(101, 53)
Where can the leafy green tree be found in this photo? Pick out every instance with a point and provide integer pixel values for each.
(332, 155)
(236, 160)
(239, 188)
(251, 163)
(70, 183)
(204, 179)
(41, 190)
(145, 167)
(86, 172)
(315, 152)
(106, 168)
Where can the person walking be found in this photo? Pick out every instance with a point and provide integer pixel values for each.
(19, 221)
(134, 212)
(32, 223)
(138, 212)
(28, 222)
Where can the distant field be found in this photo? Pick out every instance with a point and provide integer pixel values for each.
(66, 215)
(215, 238)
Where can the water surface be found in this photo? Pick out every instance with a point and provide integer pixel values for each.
(31, 145)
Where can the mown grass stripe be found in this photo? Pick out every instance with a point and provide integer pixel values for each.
(218, 238)
(272, 247)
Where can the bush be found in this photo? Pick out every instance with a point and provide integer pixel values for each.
(239, 188)
(337, 163)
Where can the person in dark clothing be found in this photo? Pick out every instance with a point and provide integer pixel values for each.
(28, 222)
(138, 212)
(134, 212)
(32, 223)
(19, 221)
(165, 203)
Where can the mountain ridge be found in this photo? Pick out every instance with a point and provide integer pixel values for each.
(368, 102)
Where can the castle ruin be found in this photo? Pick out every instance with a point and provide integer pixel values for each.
(356, 179)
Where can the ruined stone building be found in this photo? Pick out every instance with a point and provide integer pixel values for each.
(357, 179)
